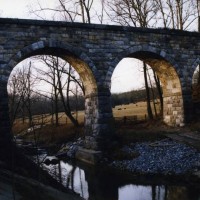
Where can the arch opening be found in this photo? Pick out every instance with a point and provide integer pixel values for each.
(171, 88)
(70, 55)
(79, 61)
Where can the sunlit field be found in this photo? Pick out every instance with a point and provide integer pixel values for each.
(136, 111)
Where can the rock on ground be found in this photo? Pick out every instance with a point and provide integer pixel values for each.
(161, 157)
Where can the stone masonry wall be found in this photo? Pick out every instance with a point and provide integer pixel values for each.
(94, 51)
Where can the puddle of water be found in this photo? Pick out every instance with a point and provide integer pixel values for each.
(93, 185)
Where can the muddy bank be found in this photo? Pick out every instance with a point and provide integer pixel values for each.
(17, 187)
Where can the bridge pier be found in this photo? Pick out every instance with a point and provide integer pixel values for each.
(5, 135)
(99, 127)
(188, 106)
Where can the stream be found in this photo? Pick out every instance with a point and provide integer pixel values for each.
(100, 184)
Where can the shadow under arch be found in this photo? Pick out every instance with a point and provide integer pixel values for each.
(195, 87)
(194, 66)
(165, 67)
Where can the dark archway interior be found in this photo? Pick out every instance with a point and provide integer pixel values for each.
(196, 91)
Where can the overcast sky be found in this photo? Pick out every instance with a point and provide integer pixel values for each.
(14, 8)
(127, 75)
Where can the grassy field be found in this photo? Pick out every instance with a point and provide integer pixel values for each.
(137, 110)
(66, 131)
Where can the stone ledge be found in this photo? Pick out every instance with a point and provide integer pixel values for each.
(88, 156)
(123, 29)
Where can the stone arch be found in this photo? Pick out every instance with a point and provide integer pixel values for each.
(76, 57)
(165, 67)
(140, 48)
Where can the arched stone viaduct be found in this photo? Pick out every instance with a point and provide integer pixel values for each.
(94, 51)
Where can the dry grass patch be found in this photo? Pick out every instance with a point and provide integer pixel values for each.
(19, 127)
(53, 135)
(133, 109)
(66, 131)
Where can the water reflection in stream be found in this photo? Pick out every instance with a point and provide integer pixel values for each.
(70, 176)
(93, 184)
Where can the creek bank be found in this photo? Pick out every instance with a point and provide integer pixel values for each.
(17, 187)
(26, 177)
(165, 157)
(162, 157)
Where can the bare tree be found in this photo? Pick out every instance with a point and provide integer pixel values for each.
(86, 6)
(29, 93)
(67, 10)
(159, 89)
(198, 13)
(152, 92)
(137, 13)
(177, 14)
(48, 75)
(61, 76)
(20, 92)
(101, 15)
(149, 110)
(66, 103)
(14, 100)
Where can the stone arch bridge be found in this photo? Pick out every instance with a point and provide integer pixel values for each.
(94, 51)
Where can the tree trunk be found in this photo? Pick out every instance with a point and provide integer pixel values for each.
(67, 108)
(153, 95)
(56, 108)
(55, 97)
(82, 11)
(149, 110)
(199, 76)
(29, 95)
(157, 81)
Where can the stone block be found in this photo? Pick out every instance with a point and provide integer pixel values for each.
(175, 112)
(88, 156)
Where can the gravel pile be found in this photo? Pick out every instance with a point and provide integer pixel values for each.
(162, 157)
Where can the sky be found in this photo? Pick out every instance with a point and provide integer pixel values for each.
(14, 8)
(127, 74)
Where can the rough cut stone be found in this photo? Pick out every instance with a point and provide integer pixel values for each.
(94, 51)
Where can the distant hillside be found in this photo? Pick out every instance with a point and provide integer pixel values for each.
(131, 97)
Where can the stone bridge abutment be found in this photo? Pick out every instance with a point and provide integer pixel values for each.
(94, 51)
